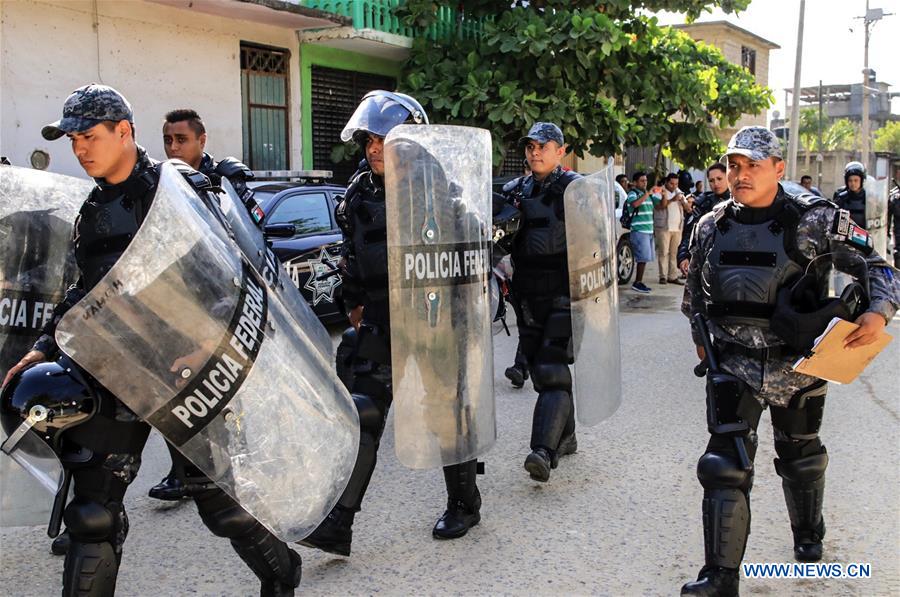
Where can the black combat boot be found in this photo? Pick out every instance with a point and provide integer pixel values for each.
(60, 545)
(463, 501)
(170, 489)
(803, 482)
(280, 588)
(334, 534)
(517, 374)
(538, 464)
(713, 581)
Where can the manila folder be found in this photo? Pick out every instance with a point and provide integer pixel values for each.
(832, 362)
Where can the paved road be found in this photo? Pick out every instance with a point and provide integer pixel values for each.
(621, 517)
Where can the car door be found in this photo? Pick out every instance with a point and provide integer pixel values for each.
(314, 249)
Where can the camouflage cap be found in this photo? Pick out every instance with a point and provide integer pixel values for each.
(756, 142)
(87, 107)
(543, 132)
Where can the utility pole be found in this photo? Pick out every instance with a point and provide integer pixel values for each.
(794, 138)
(820, 156)
(872, 16)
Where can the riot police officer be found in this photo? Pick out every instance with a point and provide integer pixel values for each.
(99, 123)
(184, 138)
(893, 220)
(852, 196)
(364, 271)
(747, 281)
(703, 203)
(541, 284)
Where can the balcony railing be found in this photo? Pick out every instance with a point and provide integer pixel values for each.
(379, 15)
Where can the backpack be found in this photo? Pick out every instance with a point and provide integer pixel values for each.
(627, 215)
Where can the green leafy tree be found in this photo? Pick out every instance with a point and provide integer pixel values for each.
(887, 138)
(842, 134)
(608, 74)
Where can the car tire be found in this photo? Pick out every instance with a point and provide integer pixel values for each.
(624, 260)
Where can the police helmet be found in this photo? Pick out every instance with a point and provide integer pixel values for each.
(379, 112)
(46, 399)
(854, 169)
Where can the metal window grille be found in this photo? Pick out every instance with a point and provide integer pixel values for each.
(265, 111)
(335, 93)
(514, 162)
(748, 59)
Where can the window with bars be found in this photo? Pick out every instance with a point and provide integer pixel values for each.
(335, 93)
(748, 59)
(265, 107)
(514, 162)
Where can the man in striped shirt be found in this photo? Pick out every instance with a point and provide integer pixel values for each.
(640, 201)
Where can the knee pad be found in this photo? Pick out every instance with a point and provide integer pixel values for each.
(551, 376)
(222, 515)
(717, 470)
(89, 521)
(344, 355)
(802, 470)
(371, 413)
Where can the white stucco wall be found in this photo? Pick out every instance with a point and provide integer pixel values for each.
(160, 58)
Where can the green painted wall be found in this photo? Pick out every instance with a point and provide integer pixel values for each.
(332, 58)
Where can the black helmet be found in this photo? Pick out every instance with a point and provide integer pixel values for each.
(854, 169)
(47, 399)
(379, 112)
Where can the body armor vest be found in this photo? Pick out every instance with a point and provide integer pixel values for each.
(368, 232)
(855, 203)
(748, 264)
(108, 221)
(543, 231)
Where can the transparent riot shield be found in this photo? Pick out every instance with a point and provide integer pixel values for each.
(252, 243)
(591, 238)
(187, 334)
(438, 194)
(37, 211)
(877, 194)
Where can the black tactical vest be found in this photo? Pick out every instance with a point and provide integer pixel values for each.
(749, 263)
(855, 203)
(109, 219)
(543, 231)
(368, 230)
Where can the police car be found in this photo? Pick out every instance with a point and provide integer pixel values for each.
(307, 200)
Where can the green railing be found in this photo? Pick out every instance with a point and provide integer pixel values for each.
(379, 15)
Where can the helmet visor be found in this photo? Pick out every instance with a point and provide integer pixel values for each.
(36, 458)
(376, 114)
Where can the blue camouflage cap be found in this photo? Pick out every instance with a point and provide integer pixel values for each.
(543, 132)
(756, 142)
(87, 107)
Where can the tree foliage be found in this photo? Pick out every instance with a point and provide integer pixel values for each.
(609, 76)
(887, 138)
(842, 134)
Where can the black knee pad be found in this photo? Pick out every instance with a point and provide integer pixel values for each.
(717, 470)
(89, 521)
(802, 470)
(344, 356)
(551, 376)
(222, 515)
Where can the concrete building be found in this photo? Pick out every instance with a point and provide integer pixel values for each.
(235, 62)
(740, 47)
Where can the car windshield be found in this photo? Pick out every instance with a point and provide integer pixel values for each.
(264, 199)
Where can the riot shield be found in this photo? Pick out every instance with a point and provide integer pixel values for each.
(877, 194)
(591, 238)
(438, 195)
(252, 243)
(187, 334)
(37, 211)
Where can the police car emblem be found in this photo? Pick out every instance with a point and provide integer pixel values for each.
(322, 290)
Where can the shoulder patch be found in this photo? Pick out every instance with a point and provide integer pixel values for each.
(807, 201)
(844, 230)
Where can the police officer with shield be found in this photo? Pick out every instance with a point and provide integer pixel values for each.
(364, 271)
(99, 439)
(852, 196)
(759, 267)
(184, 138)
(703, 204)
(541, 285)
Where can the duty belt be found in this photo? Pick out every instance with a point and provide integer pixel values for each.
(758, 354)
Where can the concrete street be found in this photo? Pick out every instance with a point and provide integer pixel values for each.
(621, 517)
